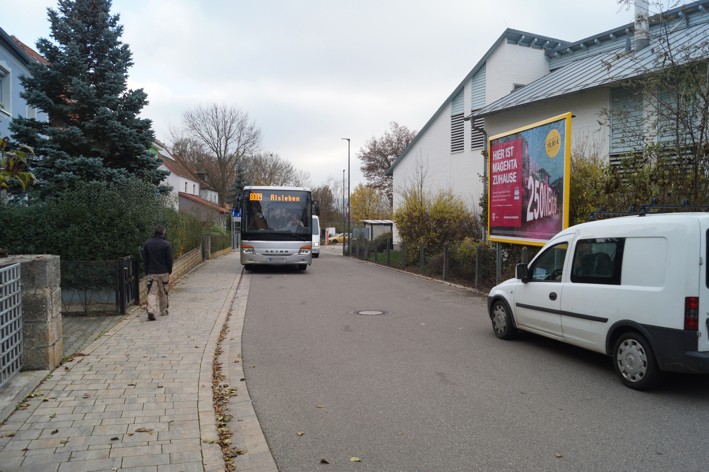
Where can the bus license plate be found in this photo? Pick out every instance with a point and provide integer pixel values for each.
(276, 260)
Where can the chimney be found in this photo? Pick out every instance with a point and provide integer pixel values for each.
(642, 24)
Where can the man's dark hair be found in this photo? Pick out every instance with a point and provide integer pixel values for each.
(159, 230)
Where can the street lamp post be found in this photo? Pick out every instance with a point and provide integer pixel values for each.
(347, 234)
(343, 209)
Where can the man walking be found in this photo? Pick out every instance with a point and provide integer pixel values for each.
(157, 255)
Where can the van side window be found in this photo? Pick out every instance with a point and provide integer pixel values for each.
(549, 266)
(598, 261)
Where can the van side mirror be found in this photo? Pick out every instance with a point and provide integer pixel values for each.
(522, 272)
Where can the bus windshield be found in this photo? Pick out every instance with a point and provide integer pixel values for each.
(276, 213)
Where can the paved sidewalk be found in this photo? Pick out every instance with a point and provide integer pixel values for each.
(141, 397)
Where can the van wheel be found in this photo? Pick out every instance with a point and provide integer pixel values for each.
(501, 318)
(635, 362)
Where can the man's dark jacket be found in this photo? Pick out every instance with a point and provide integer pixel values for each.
(157, 256)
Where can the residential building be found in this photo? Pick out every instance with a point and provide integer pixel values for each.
(14, 59)
(190, 193)
(524, 78)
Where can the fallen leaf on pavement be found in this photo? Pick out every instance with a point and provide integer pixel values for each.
(355, 459)
(323, 461)
(300, 433)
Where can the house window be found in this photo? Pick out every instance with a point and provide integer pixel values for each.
(457, 123)
(626, 121)
(194, 189)
(5, 93)
(185, 187)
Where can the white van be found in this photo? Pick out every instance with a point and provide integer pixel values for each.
(634, 288)
(316, 236)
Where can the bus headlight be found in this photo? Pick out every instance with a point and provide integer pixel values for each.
(246, 249)
(305, 250)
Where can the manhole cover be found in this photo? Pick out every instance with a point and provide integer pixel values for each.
(371, 312)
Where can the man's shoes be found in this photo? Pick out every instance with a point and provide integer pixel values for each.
(151, 317)
(164, 314)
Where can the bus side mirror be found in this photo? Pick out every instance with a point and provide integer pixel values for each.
(522, 272)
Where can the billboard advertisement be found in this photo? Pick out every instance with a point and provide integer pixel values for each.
(528, 182)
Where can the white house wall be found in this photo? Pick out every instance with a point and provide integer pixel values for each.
(461, 173)
(510, 64)
(587, 135)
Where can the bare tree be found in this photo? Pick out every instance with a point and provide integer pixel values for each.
(214, 139)
(271, 169)
(666, 114)
(379, 154)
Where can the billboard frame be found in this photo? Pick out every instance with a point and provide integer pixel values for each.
(513, 230)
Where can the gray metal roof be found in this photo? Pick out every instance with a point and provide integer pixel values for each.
(605, 69)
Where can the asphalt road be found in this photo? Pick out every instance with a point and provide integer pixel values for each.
(426, 386)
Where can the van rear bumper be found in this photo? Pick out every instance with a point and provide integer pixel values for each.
(676, 350)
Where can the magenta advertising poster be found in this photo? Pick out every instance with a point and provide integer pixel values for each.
(528, 182)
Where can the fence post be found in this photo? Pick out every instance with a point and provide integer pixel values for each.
(388, 254)
(422, 257)
(376, 259)
(445, 259)
(366, 251)
(498, 263)
(402, 248)
(121, 295)
(135, 280)
(525, 254)
(477, 266)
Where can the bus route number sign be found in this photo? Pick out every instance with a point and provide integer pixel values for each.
(255, 196)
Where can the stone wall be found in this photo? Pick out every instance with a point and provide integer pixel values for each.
(41, 310)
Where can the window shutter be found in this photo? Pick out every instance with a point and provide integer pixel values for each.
(457, 123)
(478, 88)
(477, 134)
(626, 120)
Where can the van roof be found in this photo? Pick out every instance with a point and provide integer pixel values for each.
(654, 219)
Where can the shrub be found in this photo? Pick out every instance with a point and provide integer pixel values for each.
(97, 221)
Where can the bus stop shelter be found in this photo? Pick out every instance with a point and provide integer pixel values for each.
(376, 228)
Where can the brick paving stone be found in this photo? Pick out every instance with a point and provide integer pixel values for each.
(87, 415)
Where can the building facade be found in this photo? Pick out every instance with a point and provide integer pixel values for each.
(14, 58)
(525, 78)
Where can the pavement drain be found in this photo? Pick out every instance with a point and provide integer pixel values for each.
(371, 312)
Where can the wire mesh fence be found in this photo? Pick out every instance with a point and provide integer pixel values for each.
(472, 264)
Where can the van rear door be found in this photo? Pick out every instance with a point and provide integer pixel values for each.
(704, 288)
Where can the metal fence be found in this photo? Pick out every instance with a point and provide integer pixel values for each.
(481, 268)
(99, 286)
(10, 322)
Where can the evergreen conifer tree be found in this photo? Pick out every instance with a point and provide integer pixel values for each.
(93, 132)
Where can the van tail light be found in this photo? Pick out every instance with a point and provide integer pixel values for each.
(691, 314)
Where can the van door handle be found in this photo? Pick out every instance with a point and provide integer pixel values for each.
(552, 296)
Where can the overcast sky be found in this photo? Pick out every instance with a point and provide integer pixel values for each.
(310, 72)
